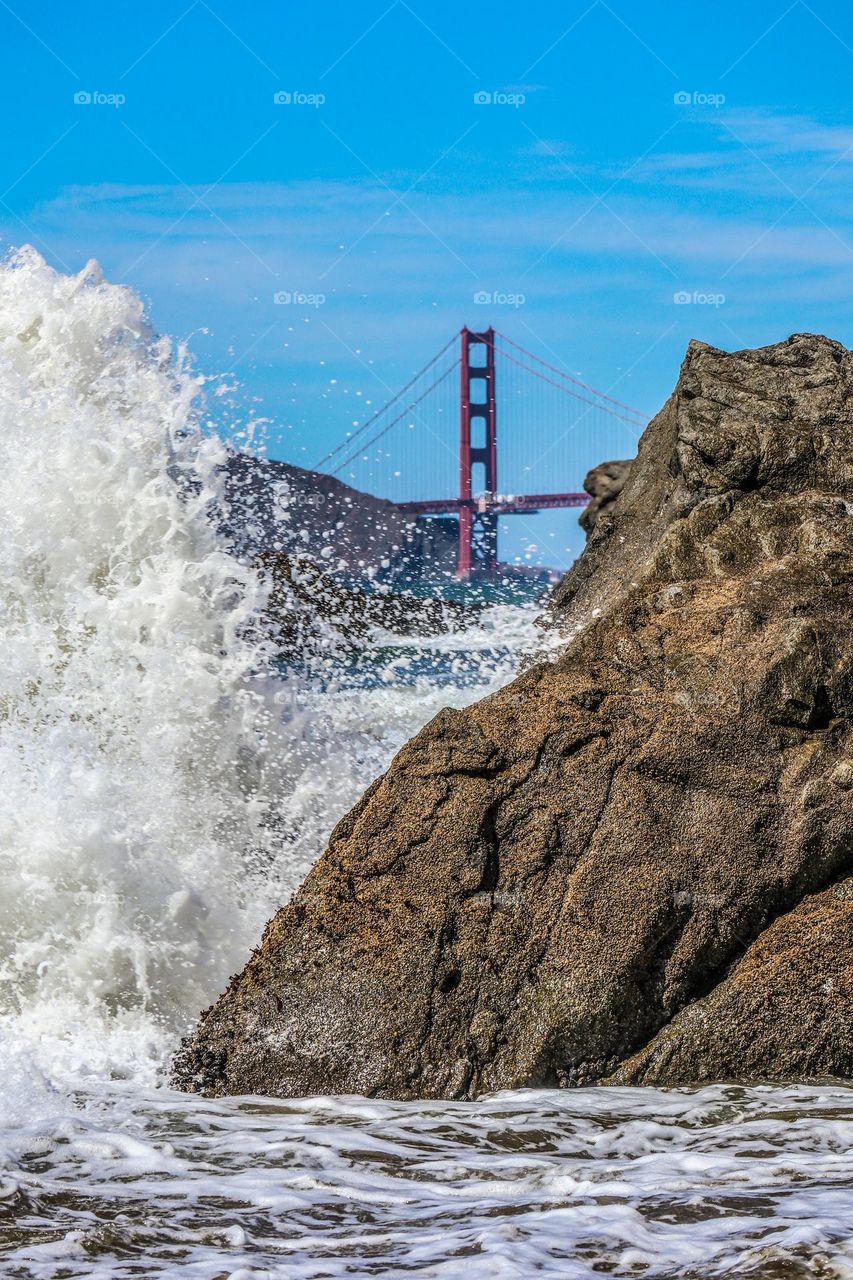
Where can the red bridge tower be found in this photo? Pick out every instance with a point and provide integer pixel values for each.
(478, 520)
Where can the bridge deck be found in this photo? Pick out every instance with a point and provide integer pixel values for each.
(502, 504)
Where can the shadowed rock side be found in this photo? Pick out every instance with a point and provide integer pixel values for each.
(540, 884)
(784, 1012)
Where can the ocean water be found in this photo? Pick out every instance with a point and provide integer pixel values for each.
(167, 781)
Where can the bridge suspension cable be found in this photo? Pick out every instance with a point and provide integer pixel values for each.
(408, 409)
(353, 436)
(637, 420)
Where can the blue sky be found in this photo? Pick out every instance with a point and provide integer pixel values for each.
(659, 149)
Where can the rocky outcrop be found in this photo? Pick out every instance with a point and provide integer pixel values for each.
(603, 483)
(594, 869)
(272, 506)
(306, 604)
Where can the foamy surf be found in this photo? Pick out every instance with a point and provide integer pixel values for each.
(134, 709)
(725, 1181)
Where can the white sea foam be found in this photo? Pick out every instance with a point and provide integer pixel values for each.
(565, 1185)
(133, 717)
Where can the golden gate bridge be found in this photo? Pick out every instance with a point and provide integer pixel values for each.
(449, 411)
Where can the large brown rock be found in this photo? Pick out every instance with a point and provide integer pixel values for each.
(540, 884)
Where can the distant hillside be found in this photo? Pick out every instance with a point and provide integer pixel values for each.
(273, 506)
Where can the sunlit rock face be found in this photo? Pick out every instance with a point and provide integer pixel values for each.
(595, 869)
